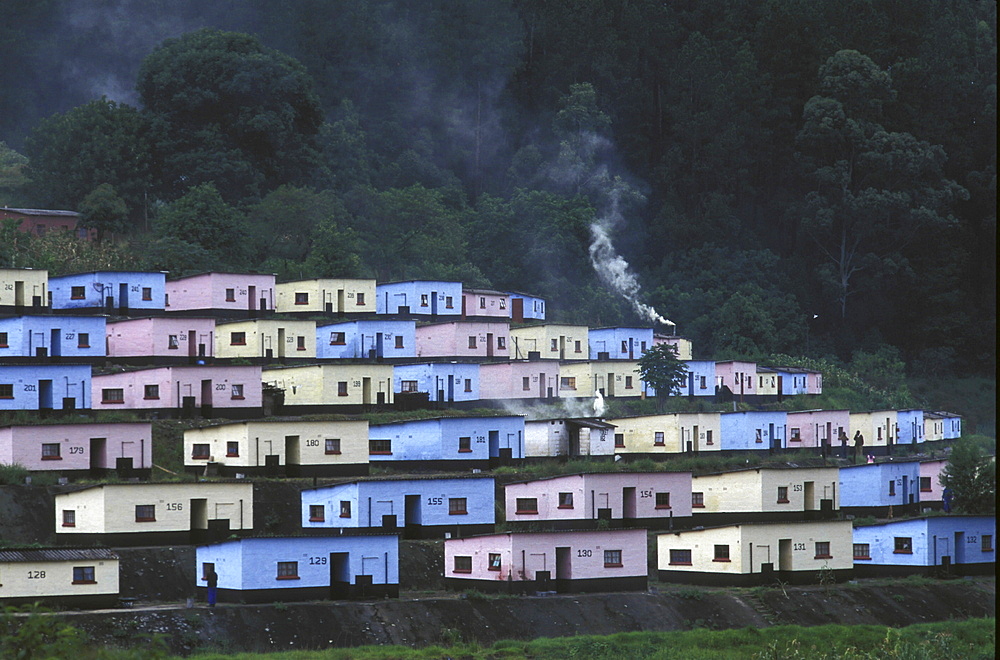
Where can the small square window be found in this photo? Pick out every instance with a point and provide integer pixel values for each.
(619, 439)
(796, 435)
(823, 550)
(862, 551)
(345, 509)
(501, 343)
(624, 347)
(892, 487)
(69, 518)
(612, 558)
(925, 484)
(465, 444)
(472, 341)
(359, 298)
(468, 384)
(482, 302)
(3, 340)
(380, 447)
(680, 557)
(399, 341)
(301, 298)
(423, 300)
(553, 344)
(782, 494)
(113, 395)
(147, 293)
(526, 383)
(628, 383)
(200, 450)
(232, 448)
(986, 541)
(457, 506)
(332, 446)
(658, 438)
(567, 383)
(408, 386)
(84, 575)
(337, 339)
(288, 570)
(237, 339)
(565, 500)
(237, 391)
(759, 437)
(230, 295)
(448, 302)
(494, 561)
(698, 500)
(83, 340)
(172, 342)
(577, 346)
(145, 513)
(902, 545)
(721, 553)
(151, 391)
(300, 343)
(462, 564)
(6, 390)
(503, 303)
(526, 505)
(78, 293)
(51, 451)
(663, 500)
(317, 513)
(342, 388)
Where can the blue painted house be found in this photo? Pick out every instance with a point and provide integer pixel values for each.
(260, 570)
(113, 292)
(909, 427)
(526, 306)
(425, 508)
(75, 338)
(794, 380)
(931, 545)
(369, 339)
(45, 387)
(619, 343)
(445, 382)
(753, 430)
(419, 297)
(700, 378)
(454, 443)
(873, 488)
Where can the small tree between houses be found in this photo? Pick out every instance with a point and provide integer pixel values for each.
(660, 368)
(971, 477)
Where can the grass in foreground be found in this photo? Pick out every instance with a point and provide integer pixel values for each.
(948, 640)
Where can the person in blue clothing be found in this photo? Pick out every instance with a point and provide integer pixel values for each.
(213, 582)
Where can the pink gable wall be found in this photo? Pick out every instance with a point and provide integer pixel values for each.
(933, 470)
(452, 339)
(497, 305)
(175, 383)
(23, 445)
(807, 422)
(208, 291)
(151, 337)
(506, 381)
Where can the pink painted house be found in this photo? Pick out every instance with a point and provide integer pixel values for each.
(83, 449)
(808, 429)
(579, 501)
(570, 561)
(218, 391)
(738, 376)
(485, 303)
(161, 340)
(519, 379)
(931, 490)
(224, 295)
(463, 339)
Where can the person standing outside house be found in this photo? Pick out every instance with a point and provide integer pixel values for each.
(859, 445)
(213, 582)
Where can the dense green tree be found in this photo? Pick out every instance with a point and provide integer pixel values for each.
(971, 476)
(202, 218)
(104, 211)
(660, 368)
(12, 175)
(230, 111)
(102, 142)
(873, 190)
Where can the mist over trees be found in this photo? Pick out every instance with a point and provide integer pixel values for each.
(801, 177)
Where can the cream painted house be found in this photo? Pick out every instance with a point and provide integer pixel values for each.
(612, 378)
(318, 388)
(757, 553)
(291, 448)
(767, 382)
(326, 296)
(153, 513)
(647, 434)
(23, 289)
(59, 577)
(266, 339)
(758, 494)
(680, 344)
(878, 427)
(550, 341)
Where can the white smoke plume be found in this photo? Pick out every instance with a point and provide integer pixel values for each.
(611, 267)
(598, 404)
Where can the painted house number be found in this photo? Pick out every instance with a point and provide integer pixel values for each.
(799, 546)
(76, 450)
(480, 439)
(30, 388)
(70, 336)
(796, 488)
(645, 493)
(220, 386)
(175, 506)
(972, 539)
(584, 553)
(36, 575)
(357, 383)
(134, 288)
(435, 501)
(312, 443)
(8, 287)
(317, 561)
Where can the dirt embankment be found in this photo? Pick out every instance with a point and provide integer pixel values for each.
(426, 621)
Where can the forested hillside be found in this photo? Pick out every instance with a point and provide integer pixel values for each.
(780, 176)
